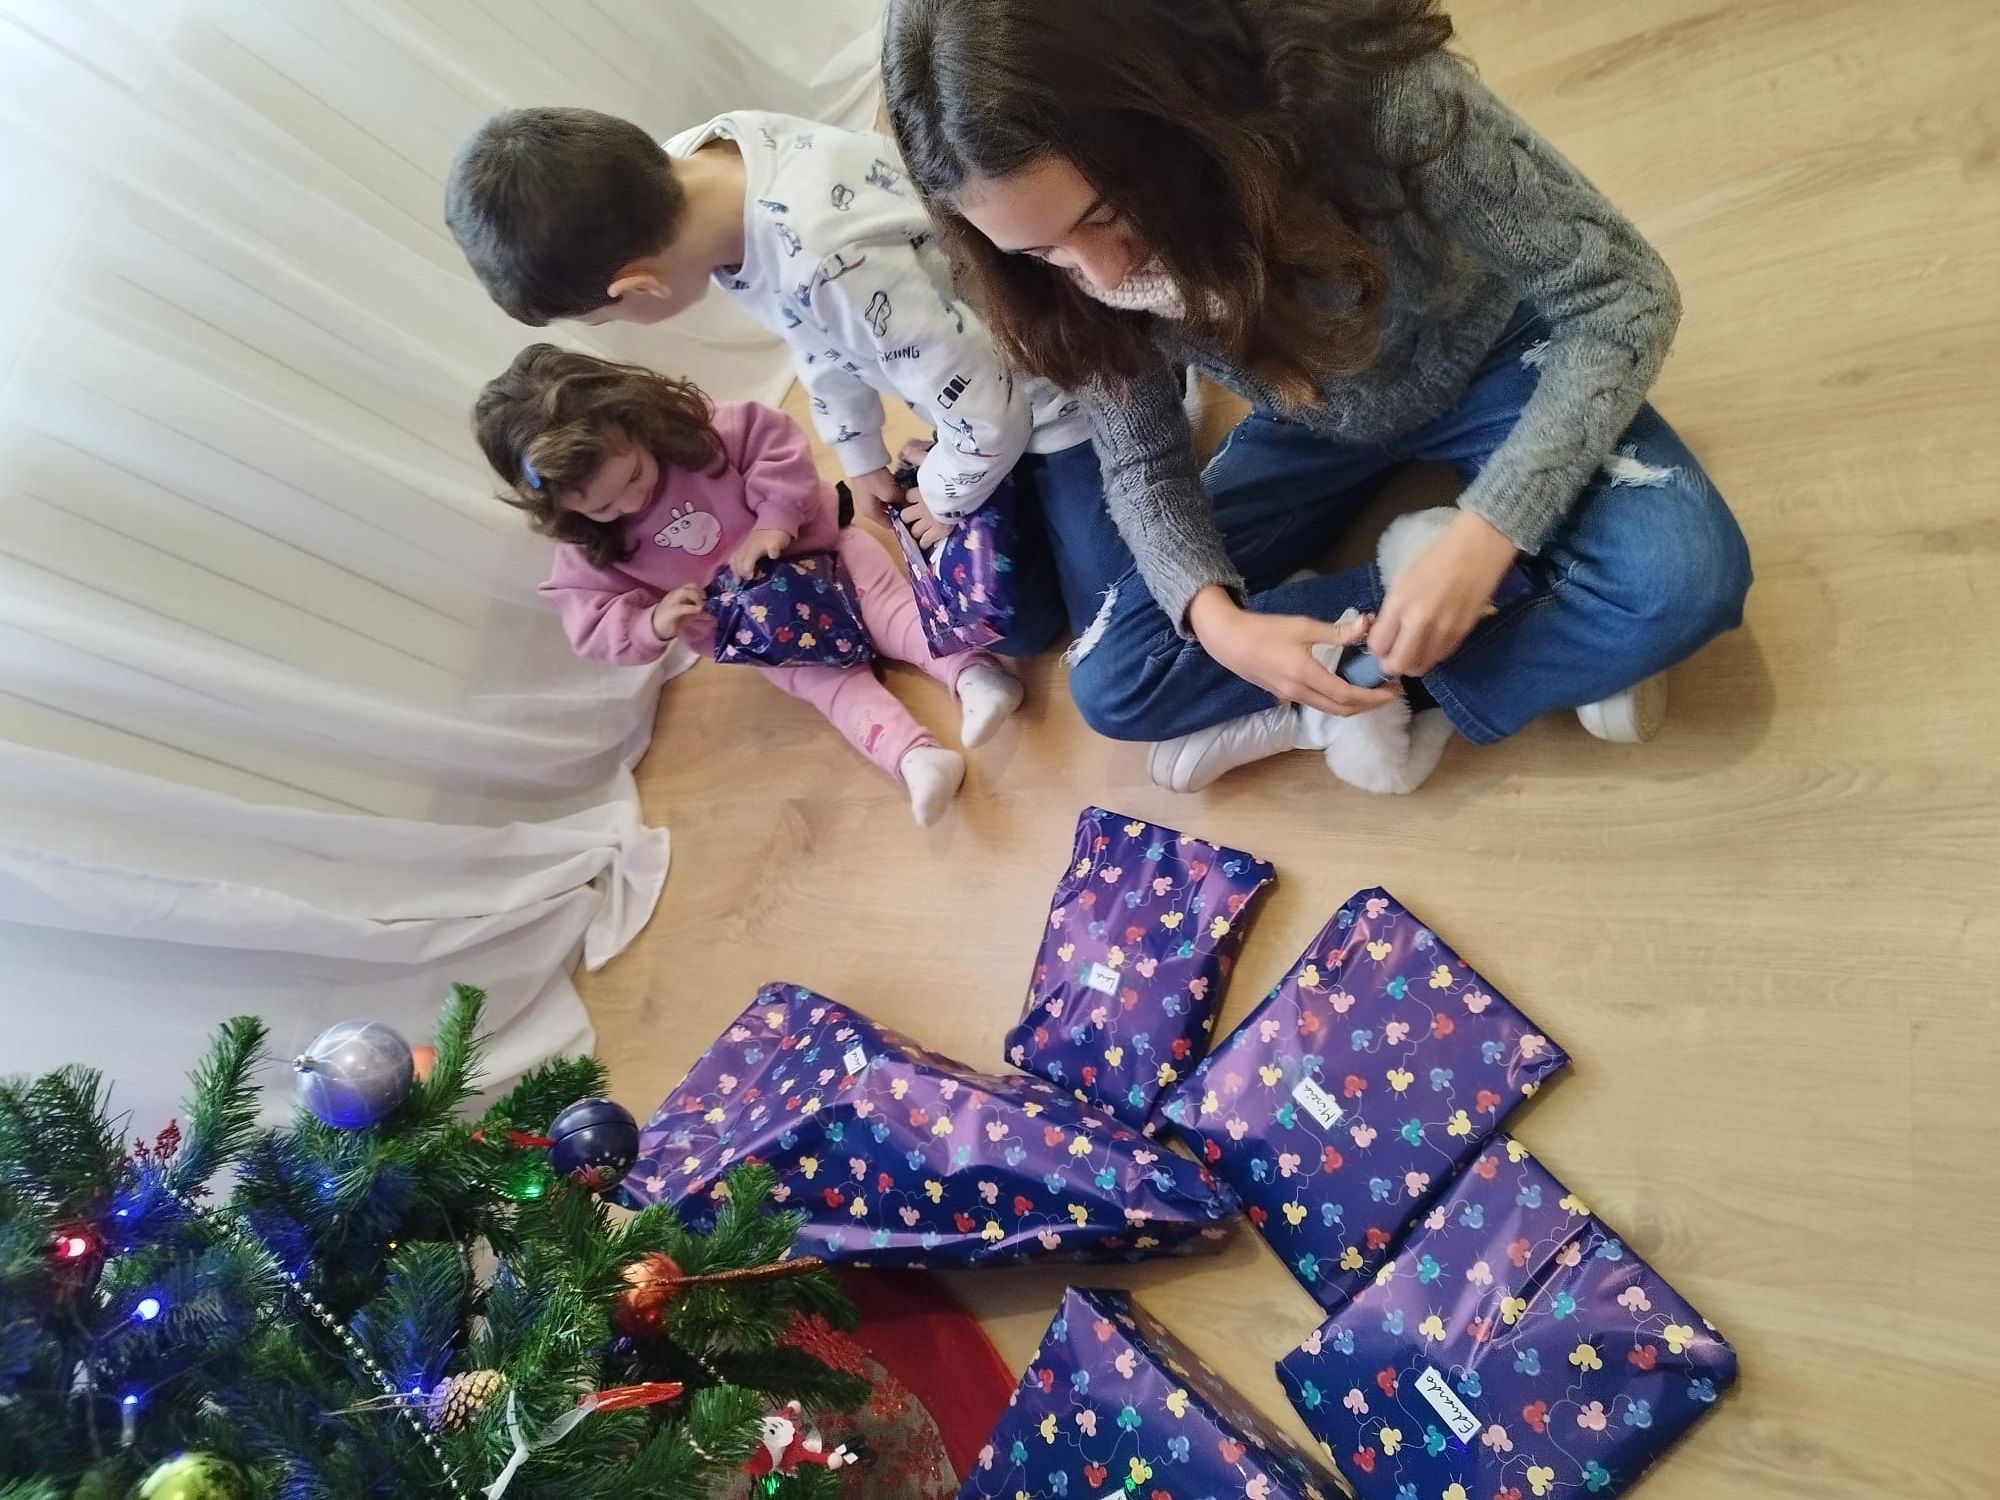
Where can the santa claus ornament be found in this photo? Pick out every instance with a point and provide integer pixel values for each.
(790, 1444)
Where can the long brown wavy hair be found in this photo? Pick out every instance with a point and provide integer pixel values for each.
(1236, 137)
(555, 415)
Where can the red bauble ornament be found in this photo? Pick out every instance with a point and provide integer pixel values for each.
(652, 1281)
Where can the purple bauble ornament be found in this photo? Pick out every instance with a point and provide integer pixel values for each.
(594, 1143)
(355, 1073)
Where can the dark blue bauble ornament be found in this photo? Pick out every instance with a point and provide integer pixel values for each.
(594, 1143)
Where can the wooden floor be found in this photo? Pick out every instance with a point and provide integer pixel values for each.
(1769, 938)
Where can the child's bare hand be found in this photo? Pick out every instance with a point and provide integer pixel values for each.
(925, 527)
(875, 494)
(675, 610)
(757, 549)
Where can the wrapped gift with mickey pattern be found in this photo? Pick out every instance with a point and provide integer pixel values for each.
(964, 586)
(1143, 931)
(900, 1157)
(1342, 1106)
(797, 611)
(1514, 1347)
(1114, 1408)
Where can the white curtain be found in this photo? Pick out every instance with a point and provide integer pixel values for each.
(282, 726)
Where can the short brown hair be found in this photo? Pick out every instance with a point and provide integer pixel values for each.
(1235, 135)
(555, 415)
(550, 204)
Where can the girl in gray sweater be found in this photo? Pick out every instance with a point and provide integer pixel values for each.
(1317, 206)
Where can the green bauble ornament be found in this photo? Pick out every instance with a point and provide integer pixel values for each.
(195, 1476)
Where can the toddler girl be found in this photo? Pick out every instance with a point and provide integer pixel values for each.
(650, 489)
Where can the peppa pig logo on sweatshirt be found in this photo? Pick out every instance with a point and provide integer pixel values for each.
(693, 531)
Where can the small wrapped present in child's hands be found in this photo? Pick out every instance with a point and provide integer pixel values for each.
(964, 585)
(797, 611)
(1513, 1346)
(1114, 1408)
(900, 1157)
(1343, 1104)
(1143, 931)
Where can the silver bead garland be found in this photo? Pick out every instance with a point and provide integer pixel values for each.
(404, 1403)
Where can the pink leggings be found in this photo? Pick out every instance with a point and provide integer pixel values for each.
(860, 707)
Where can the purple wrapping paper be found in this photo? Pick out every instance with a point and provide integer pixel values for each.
(1143, 931)
(797, 611)
(900, 1157)
(965, 591)
(1513, 1348)
(1344, 1103)
(1114, 1407)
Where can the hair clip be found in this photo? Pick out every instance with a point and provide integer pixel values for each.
(528, 473)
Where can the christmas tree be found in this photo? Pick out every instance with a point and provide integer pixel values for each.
(419, 1306)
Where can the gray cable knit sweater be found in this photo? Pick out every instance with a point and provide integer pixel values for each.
(1520, 225)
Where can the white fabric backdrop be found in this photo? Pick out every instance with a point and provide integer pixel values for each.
(282, 726)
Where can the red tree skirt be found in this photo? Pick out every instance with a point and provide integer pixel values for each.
(931, 1344)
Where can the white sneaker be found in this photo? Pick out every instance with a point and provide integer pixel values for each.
(932, 775)
(1192, 761)
(1631, 717)
(986, 696)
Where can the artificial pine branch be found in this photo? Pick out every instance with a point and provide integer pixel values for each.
(545, 1092)
(412, 1325)
(221, 1108)
(435, 1100)
(791, 1375)
(55, 1143)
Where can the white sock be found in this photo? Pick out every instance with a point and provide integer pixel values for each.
(986, 696)
(933, 776)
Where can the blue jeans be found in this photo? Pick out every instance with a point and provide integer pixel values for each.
(1644, 570)
(1067, 551)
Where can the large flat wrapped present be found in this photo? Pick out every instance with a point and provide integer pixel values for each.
(1514, 1347)
(1346, 1100)
(900, 1157)
(1114, 1407)
(1143, 931)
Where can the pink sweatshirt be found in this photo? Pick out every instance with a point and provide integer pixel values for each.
(686, 534)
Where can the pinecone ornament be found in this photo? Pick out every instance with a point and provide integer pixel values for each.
(458, 1401)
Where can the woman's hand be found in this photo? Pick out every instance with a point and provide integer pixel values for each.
(1275, 652)
(757, 549)
(874, 494)
(675, 610)
(1432, 607)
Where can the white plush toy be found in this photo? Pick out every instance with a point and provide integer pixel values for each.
(1387, 749)
(1384, 750)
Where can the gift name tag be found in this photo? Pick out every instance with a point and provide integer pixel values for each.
(1318, 1103)
(1102, 978)
(856, 1059)
(1444, 1401)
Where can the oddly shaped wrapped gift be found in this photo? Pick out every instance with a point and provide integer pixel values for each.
(1342, 1105)
(898, 1156)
